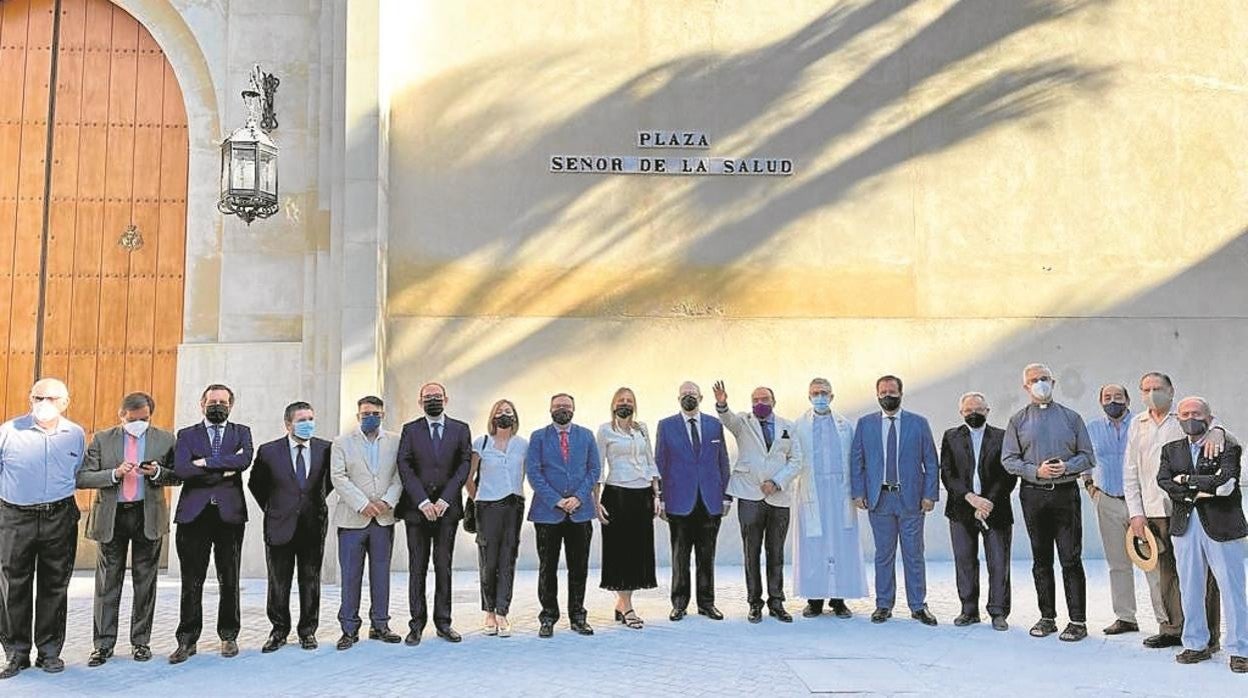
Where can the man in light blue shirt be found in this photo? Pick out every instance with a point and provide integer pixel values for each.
(40, 454)
(1104, 483)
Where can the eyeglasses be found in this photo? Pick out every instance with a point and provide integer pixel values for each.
(371, 414)
(47, 398)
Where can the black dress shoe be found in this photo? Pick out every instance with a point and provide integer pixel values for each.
(925, 616)
(676, 614)
(965, 619)
(813, 609)
(881, 614)
(547, 629)
(1239, 665)
(1159, 641)
(755, 615)
(99, 656)
(1192, 656)
(386, 635)
(412, 639)
(1043, 628)
(229, 648)
(273, 644)
(52, 665)
(346, 642)
(141, 653)
(1074, 632)
(448, 633)
(182, 653)
(580, 627)
(999, 623)
(839, 609)
(779, 614)
(307, 642)
(710, 612)
(14, 666)
(1119, 627)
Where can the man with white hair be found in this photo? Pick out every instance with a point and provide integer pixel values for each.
(827, 553)
(1208, 529)
(1047, 445)
(40, 454)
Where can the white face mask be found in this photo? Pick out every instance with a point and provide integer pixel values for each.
(1042, 390)
(45, 411)
(136, 428)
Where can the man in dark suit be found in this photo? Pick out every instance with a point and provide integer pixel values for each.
(979, 503)
(129, 465)
(894, 475)
(435, 453)
(562, 466)
(209, 458)
(693, 462)
(290, 480)
(1210, 540)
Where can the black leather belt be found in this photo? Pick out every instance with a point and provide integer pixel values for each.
(890, 488)
(129, 505)
(1047, 486)
(43, 506)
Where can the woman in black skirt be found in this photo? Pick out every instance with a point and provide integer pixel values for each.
(627, 505)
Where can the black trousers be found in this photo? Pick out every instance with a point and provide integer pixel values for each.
(1054, 519)
(574, 538)
(425, 538)
(697, 532)
(304, 553)
(965, 536)
(498, 544)
(763, 526)
(208, 536)
(110, 577)
(37, 548)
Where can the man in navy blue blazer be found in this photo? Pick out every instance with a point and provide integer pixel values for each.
(693, 463)
(895, 476)
(435, 453)
(290, 480)
(562, 467)
(209, 458)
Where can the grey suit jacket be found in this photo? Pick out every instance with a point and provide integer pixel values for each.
(105, 453)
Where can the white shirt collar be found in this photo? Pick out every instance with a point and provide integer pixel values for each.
(209, 425)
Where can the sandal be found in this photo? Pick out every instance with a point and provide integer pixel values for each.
(630, 619)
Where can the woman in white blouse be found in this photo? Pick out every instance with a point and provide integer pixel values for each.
(496, 483)
(627, 504)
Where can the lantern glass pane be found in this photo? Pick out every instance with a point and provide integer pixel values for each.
(268, 173)
(243, 169)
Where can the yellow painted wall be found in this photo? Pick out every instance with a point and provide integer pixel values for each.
(979, 184)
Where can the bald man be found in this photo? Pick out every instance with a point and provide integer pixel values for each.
(40, 455)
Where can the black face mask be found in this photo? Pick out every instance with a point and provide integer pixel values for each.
(504, 421)
(623, 412)
(976, 420)
(217, 414)
(1193, 427)
(1115, 409)
(689, 403)
(433, 408)
(561, 417)
(890, 403)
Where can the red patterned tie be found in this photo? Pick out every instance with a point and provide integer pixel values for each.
(130, 483)
(563, 446)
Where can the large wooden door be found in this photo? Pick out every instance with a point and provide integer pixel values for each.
(92, 210)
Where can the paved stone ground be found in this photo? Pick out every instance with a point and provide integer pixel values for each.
(695, 657)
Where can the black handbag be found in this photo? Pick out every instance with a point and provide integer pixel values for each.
(470, 507)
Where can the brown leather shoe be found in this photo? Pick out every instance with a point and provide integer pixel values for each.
(1120, 627)
(229, 648)
(1239, 665)
(1192, 656)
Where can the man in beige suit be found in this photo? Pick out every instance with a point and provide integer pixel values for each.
(363, 465)
(769, 458)
(130, 464)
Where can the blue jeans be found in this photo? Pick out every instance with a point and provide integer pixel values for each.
(375, 541)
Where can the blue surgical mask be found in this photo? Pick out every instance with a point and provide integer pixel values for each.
(304, 430)
(370, 423)
(821, 403)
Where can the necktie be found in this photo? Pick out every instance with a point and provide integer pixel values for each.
(694, 437)
(301, 468)
(216, 440)
(890, 454)
(563, 446)
(767, 435)
(437, 435)
(130, 483)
